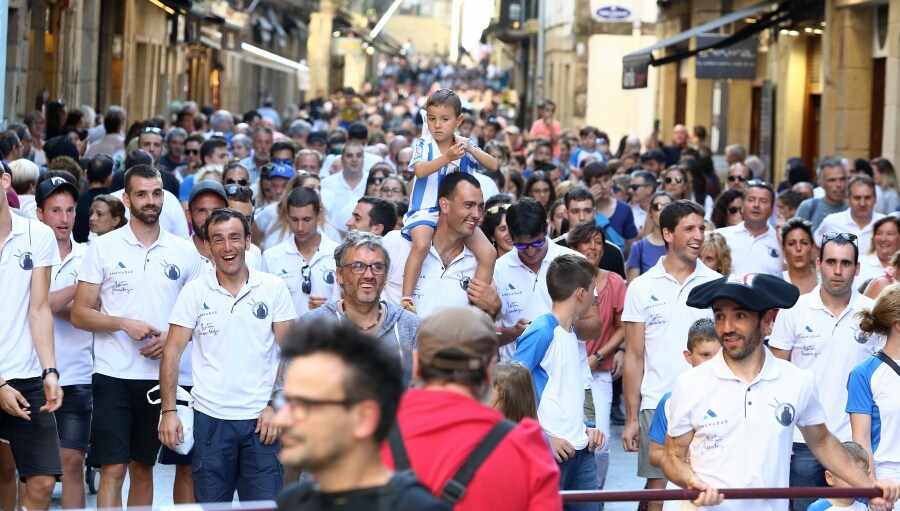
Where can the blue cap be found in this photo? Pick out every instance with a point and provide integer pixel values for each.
(281, 170)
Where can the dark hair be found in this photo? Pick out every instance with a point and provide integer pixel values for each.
(719, 215)
(497, 177)
(647, 177)
(702, 330)
(515, 177)
(543, 177)
(373, 369)
(60, 146)
(116, 207)
(447, 190)
(790, 199)
(674, 212)
(99, 168)
(839, 241)
(284, 145)
(595, 169)
(382, 212)
(445, 97)
(138, 157)
(587, 130)
(113, 119)
(208, 147)
(698, 179)
(578, 194)
(249, 115)
(584, 232)
(567, 273)
(144, 171)
(863, 166)
(491, 221)
(796, 223)
(69, 165)
(302, 197)
(9, 140)
(526, 218)
(220, 215)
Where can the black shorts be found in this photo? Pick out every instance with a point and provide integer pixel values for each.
(34, 443)
(73, 419)
(168, 456)
(125, 424)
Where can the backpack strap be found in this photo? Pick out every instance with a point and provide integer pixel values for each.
(812, 209)
(881, 355)
(398, 449)
(455, 489)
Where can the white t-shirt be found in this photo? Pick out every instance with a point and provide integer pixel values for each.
(742, 430)
(753, 254)
(73, 346)
(640, 216)
(285, 261)
(341, 194)
(438, 286)
(843, 222)
(171, 217)
(138, 283)
(266, 219)
(830, 347)
(658, 301)
(234, 352)
(30, 245)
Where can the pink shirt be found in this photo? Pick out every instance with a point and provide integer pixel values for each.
(611, 301)
(540, 130)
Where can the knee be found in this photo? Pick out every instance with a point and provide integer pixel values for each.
(72, 462)
(40, 485)
(113, 472)
(140, 472)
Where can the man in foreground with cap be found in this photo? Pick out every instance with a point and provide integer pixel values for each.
(732, 419)
(441, 422)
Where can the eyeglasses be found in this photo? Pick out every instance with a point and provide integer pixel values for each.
(674, 180)
(831, 236)
(192, 151)
(242, 182)
(152, 129)
(359, 268)
(535, 244)
(392, 191)
(659, 206)
(733, 209)
(738, 178)
(305, 403)
(634, 188)
(306, 273)
(497, 208)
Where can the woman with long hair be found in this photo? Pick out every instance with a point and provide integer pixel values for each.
(674, 181)
(715, 254)
(727, 209)
(540, 187)
(886, 178)
(647, 251)
(494, 223)
(797, 247)
(514, 394)
(698, 183)
(885, 243)
(555, 217)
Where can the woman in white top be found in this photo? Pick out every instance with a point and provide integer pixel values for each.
(886, 180)
(797, 246)
(270, 224)
(885, 242)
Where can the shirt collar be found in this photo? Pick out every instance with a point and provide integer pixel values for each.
(128, 235)
(19, 224)
(658, 271)
(253, 280)
(769, 370)
(815, 301)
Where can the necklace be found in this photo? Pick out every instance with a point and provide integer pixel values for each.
(367, 328)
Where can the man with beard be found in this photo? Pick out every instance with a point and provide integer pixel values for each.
(234, 315)
(821, 333)
(732, 419)
(135, 274)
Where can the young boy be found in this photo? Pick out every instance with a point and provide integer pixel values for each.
(859, 456)
(588, 135)
(702, 345)
(549, 349)
(439, 152)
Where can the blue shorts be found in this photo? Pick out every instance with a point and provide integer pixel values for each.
(73, 419)
(34, 443)
(412, 219)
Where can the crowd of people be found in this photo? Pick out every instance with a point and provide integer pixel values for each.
(340, 292)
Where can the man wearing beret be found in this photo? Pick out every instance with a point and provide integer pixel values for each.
(732, 419)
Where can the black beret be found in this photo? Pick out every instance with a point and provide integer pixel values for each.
(757, 292)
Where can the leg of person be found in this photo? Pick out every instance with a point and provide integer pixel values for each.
(421, 235)
(8, 481)
(260, 474)
(183, 490)
(35, 446)
(216, 455)
(73, 422)
(655, 478)
(110, 434)
(582, 477)
(806, 471)
(485, 256)
(144, 443)
(601, 390)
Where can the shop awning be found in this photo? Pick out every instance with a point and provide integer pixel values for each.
(260, 57)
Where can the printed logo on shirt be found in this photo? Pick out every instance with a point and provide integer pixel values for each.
(206, 311)
(208, 329)
(784, 413)
(808, 329)
(121, 265)
(655, 302)
(773, 252)
(328, 276)
(26, 260)
(171, 271)
(464, 283)
(120, 269)
(709, 414)
(260, 309)
(859, 336)
(510, 286)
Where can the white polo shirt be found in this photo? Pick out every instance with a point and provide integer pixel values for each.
(438, 286)
(658, 301)
(843, 222)
(640, 216)
(286, 261)
(341, 194)
(749, 254)
(137, 283)
(743, 431)
(72, 346)
(523, 293)
(874, 390)
(30, 245)
(234, 354)
(830, 347)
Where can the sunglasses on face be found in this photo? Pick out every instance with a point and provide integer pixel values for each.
(733, 209)
(674, 180)
(535, 244)
(192, 151)
(831, 236)
(377, 180)
(306, 273)
(734, 179)
(659, 206)
(634, 188)
(242, 182)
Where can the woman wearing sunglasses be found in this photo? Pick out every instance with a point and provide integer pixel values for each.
(377, 174)
(727, 209)
(647, 251)
(675, 182)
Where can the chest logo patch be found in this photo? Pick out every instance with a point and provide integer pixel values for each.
(171, 271)
(26, 261)
(773, 252)
(260, 309)
(784, 413)
(328, 276)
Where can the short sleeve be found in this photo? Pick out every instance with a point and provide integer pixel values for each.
(680, 409)
(629, 231)
(92, 265)
(633, 312)
(859, 391)
(284, 305)
(634, 257)
(660, 422)
(618, 292)
(419, 154)
(45, 252)
(532, 345)
(783, 335)
(186, 309)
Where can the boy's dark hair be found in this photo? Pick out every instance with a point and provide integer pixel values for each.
(526, 218)
(373, 370)
(587, 130)
(445, 97)
(594, 170)
(220, 215)
(138, 157)
(578, 194)
(302, 197)
(674, 212)
(284, 145)
(144, 171)
(448, 186)
(209, 146)
(99, 168)
(567, 273)
(382, 212)
(702, 330)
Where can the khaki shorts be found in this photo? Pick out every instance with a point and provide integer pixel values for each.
(645, 469)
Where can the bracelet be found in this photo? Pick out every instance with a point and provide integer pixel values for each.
(167, 411)
(4, 384)
(621, 348)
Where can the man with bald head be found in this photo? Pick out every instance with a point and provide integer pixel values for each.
(397, 144)
(679, 141)
(403, 158)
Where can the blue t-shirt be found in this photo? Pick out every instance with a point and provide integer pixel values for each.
(823, 504)
(622, 220)
(644, 255)
(660, 422)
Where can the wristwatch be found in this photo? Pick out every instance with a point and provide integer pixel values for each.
(600, 358)
(48, 371)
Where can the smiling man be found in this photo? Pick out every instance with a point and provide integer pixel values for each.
(753, 242)
(657, 319)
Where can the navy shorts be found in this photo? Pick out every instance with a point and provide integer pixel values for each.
(125, 425)
(34, 443)
(73, 419)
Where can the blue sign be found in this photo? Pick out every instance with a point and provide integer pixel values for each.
(613, 12)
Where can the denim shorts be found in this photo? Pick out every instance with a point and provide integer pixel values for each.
(34, 443)
(73, 419)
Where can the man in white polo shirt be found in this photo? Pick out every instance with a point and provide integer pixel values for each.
(821, 333)
(732, 419)
(305, 260)
(449, 267)
(657, 320)
(234, 315)
(27, 254)
(346, 186)
(56, 198)
(135, 273)
(754, 243)
(858, 219)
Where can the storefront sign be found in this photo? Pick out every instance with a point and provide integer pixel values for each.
(612, 10)
(735, 62)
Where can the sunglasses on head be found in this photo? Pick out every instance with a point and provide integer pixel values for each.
(738, 178)
(759, 183)
(674, 180)
(232, 189)
(242, 182)
(535, 244)
(152, 129)
(497, 208)
(831, 236)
